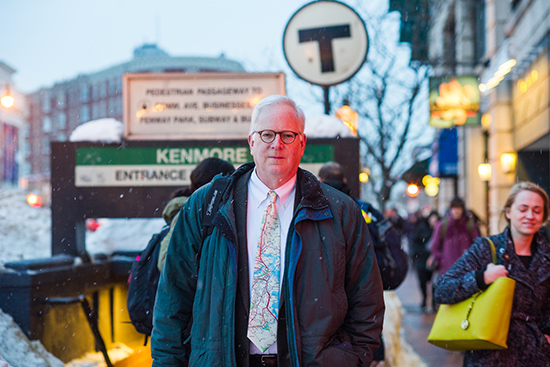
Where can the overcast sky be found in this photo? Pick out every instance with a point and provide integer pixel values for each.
(55, 40)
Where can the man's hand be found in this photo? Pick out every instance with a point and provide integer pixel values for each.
(493, 272)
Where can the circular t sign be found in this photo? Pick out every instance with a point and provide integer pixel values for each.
(325, 42)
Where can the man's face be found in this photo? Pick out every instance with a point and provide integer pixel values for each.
(277, 162)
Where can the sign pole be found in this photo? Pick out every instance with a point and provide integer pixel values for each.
(327, 100)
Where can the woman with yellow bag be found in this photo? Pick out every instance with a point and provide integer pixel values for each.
(523, 254)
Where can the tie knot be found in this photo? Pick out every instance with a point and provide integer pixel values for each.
(272, 195)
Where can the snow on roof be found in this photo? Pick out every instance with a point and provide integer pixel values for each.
(106, 130)
(325, 126)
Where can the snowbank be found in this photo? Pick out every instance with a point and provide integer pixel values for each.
(18, 351)
(25, 232)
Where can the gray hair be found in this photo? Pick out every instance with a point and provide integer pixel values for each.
(272, 101)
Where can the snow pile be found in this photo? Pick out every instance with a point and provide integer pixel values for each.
(122, 235)
(398, 351)
(18, 351)
(104, 130)
(25, 232)
(96, 359)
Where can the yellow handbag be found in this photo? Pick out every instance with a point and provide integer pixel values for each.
(479, 322)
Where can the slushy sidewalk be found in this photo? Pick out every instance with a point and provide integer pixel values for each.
(416, 326)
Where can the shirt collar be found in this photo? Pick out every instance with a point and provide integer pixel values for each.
(259, 190)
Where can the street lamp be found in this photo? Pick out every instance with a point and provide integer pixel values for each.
(7, 100)
(348, 116)
(508, 162)
(484, 170)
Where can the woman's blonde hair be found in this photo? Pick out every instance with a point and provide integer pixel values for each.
(526, 186)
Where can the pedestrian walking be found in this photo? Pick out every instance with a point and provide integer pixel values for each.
(288, 275)
(419, 251)
(524, 255)
(453, 235)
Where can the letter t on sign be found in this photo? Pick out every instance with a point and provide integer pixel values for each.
(324, 36)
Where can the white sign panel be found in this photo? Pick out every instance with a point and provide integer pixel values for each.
(325, 42)
(178, 106)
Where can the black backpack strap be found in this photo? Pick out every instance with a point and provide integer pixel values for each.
(210, 208)
(212, 203)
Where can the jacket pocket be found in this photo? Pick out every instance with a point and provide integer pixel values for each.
(339, 354)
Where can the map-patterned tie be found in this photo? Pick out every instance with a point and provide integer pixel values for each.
(264, 299)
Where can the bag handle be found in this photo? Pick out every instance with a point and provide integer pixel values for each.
(466, 323)
(493, 250)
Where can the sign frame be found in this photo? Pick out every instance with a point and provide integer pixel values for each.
(334, 32)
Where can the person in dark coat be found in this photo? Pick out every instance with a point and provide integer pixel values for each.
(420, 252)
(314, 268)
(332, 174)
(523, 255)
(453, 235)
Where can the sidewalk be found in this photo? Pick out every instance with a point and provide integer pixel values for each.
(416, 326)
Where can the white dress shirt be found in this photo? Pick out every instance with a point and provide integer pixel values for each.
(256, 207)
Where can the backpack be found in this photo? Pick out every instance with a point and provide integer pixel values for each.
(145, 275)
(392, 260)
(143, 283)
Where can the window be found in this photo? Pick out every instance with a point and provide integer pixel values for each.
(46, 103)
(103, 89)
(119, 107)
(46, 162)
(112, 107)
(46, 144)
(480, 30)
(46, 124)
(61, 99)
(102, 109)
(95, 111)
(84, 93)
(84, 114)
(112, 87)
(62, 121)
(95, 91)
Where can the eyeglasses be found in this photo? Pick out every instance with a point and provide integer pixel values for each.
(268, 136)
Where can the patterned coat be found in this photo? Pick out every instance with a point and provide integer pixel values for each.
(530, 319)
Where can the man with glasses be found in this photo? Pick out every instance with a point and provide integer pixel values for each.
(288, 276)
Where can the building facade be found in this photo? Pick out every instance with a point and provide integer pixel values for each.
(12, 128)
(56, 111)
(506, 45)
(457, 48)
(517, 104)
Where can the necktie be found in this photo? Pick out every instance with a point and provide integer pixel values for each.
(264, 298)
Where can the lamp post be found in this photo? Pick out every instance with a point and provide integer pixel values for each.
(484, 170)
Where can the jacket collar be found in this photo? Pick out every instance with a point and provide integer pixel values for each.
(538, 271)
(308, 188)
